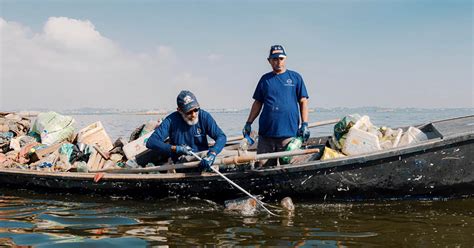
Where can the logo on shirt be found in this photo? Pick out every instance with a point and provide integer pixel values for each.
(289, 82)
(199, 131)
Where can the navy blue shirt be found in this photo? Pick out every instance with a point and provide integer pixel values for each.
(280, 95)
(180, 133)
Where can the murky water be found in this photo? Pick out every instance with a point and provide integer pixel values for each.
(29, 218)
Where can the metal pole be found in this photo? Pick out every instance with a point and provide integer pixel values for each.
(237, 186)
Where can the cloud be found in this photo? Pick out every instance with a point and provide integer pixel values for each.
(70, 64)
(214, 57)
(75, 35)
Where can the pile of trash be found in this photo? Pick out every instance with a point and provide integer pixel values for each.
(355, 135)
(52, 144)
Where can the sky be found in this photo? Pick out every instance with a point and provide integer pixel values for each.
(62, 55)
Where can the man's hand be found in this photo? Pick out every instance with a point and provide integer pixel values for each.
(207, 161)
(183, 150)
(247, 129)
(304, 131)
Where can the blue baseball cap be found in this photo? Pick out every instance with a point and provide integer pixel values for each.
(186, 101)
(277, 51)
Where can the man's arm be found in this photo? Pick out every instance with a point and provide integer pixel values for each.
(156, 140)
(220, 139)
(215, 132)
(304, 109)
(254, 111)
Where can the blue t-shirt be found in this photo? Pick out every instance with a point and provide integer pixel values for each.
(280, 95)
(180, 133)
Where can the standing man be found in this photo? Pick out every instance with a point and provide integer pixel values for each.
(187, 129)
(282, 93)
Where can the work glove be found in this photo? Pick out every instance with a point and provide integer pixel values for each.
(247, 129)
(207, 161)
(303, 132)
(183, 150)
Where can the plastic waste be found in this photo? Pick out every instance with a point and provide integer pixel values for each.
(287, 204)
(49, 161)
(359, 142)
(342, 128)
(131, 163)
(7, 135)
(80, 155)
(412, 135)
(15, 144)
(67, 150)
(81, 166)
(390, 137)
(45, 165)
(53, 127)
(245, 143)
(331, 154)
(246, 206)
(294, 144)
(35, 135)
(364, 123)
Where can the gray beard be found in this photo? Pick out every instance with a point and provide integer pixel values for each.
(188, 121)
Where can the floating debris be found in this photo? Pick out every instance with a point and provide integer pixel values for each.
(245, 205)
(287, 204)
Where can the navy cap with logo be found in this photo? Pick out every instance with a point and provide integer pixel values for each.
(186, 101)
(277, 51)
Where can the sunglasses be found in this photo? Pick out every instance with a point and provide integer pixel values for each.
(192, 111)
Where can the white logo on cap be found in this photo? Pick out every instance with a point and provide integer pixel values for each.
(187, 99)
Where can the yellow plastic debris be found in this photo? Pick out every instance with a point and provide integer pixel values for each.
(331, 154)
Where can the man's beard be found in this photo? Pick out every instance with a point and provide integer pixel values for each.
(189, 122)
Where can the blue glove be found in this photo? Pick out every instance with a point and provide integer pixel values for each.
(207, 161)
(303, 132)
(249, 139)
(183, 150)
(247, 129)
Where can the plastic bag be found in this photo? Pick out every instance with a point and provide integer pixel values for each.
(390, 137)
(331, 154)
(53, 127)
(343, 126)
(412, 135)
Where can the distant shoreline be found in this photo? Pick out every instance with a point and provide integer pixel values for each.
(226, 111)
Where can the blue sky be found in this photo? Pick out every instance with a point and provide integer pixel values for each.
(140, 54)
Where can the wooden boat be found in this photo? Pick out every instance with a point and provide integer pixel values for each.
(442, 166)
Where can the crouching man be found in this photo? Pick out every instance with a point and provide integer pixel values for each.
(187, 129)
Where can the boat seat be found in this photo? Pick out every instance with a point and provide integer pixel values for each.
(430, 131)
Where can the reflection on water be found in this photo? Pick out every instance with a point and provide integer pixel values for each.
(36, 219)
(29, 218)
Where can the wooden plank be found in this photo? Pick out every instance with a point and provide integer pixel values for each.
(39, 154)
(96, 161)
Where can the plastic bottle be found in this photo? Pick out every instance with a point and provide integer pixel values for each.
(131, 163)
(246, 142)
(81, 166)
(294, 144)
